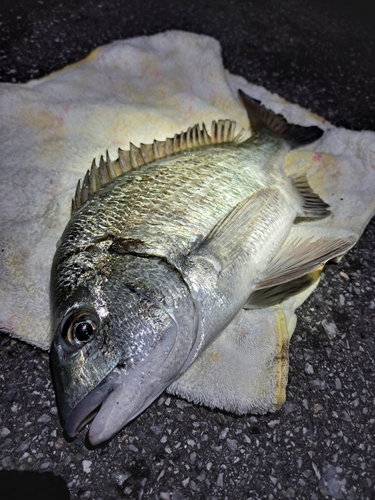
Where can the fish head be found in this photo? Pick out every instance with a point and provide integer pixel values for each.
(124, 327)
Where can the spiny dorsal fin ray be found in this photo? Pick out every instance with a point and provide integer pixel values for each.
(136, 156)
(193, 137)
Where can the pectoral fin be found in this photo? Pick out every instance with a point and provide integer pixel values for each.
(251, 221)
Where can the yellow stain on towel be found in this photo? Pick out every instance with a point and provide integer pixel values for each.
(281, 359)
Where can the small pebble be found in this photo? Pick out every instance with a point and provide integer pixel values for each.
(7, 463)
(221, 418)
(180, 403)
(185, 482)
(330, 328)
(4, 432)
(121, 478)
(272, 423)
(232, 444)
(45, 418)
(54, 410)
(309, 369)
(223, 433)
(219, 480)
(160, 475)
(317, 408)
(157, 429)
(87, 466)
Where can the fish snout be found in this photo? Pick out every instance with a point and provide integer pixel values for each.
(139, 385)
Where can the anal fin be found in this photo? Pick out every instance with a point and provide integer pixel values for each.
(267, 297)
(301, 254)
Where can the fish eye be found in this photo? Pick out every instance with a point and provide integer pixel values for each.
(80, 328)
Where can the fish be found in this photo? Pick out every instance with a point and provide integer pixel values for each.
(166, 247)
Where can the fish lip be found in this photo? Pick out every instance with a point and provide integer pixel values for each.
(88, 407)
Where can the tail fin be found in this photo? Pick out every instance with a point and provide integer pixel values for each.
(261, 117)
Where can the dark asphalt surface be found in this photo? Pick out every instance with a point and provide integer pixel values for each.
(321, 444)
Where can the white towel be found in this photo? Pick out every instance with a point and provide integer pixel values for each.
(138, 90)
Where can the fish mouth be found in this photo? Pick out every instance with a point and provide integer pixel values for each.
(89, 407)
(113, 403)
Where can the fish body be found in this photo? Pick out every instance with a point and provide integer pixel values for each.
(159, 260)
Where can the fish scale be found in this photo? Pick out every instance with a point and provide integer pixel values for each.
(155, 205)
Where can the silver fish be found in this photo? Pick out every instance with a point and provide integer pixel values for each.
(165, 247)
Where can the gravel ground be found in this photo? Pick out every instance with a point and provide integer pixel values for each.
(321, 443)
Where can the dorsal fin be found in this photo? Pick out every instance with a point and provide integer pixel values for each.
(221, 131)
(261, 117)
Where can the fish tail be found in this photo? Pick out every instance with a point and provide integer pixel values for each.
(262, 118)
